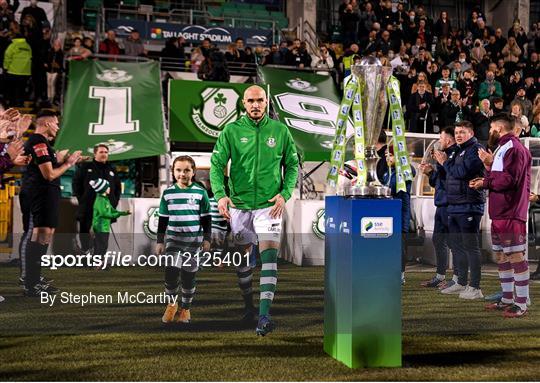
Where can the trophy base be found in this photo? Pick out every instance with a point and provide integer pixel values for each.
(368, 191)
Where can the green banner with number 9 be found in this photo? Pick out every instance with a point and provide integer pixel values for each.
(309, 105)
(118, 104)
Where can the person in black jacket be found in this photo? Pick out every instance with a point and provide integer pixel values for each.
(298, 56)
(214, 67)
(449, 109)
(480, 118)
(36, 12)
(465, 209)
(418, 110)
(54, 66)
(349, 25)
(381, 146)
(173, 49)
(40, 200)
(86, 172)
(437, 180)
(385, 44)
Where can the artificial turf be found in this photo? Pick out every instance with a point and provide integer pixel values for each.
(444, 338)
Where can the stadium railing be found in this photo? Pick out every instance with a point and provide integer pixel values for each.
(184, 65)
(293, 68)
(166, 64)
(331, 72)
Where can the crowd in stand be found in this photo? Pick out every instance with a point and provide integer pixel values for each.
(479, 61)
(31, 60)
(447, 74)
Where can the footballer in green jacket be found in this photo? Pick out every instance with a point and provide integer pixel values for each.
(263, 174)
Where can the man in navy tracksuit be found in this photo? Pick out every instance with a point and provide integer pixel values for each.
(437, 180)
(465, 209)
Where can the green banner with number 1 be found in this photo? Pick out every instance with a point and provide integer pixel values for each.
(119, 104)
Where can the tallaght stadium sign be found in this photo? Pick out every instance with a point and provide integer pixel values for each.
(192, 33)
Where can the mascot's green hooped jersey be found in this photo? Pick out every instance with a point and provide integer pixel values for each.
(184, 208)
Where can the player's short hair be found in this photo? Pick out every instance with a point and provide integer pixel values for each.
(465, 124)
(504, 119)
(448, 130)
(97, 146)
(46, 113)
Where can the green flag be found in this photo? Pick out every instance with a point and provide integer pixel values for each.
(309, 105)
(119, 104)
(199, 110)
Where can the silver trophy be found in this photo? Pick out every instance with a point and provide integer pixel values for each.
(373, 77)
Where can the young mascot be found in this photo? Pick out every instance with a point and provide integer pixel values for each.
(184, 224)
(103, 214)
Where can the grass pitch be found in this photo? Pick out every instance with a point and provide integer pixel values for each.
(444, 338)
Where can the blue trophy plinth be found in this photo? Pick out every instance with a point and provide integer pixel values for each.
(362, 308)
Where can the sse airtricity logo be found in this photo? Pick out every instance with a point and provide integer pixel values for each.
(219, 107)
(377, 227)
(369, 226)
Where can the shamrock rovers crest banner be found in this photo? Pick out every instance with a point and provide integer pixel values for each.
(307, 103)
(115, 103)
(199, 110)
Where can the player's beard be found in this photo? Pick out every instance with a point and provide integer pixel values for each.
(256, 118)
(493, 139)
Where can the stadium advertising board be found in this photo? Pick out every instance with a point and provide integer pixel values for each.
(192, 33)
(118, 104)
(308, 104)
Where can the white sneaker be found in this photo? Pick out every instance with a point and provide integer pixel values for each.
(471, 293)
(2, 298)
(454, 289)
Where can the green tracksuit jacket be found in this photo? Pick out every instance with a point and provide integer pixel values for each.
(104, 212)
(258, 152)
